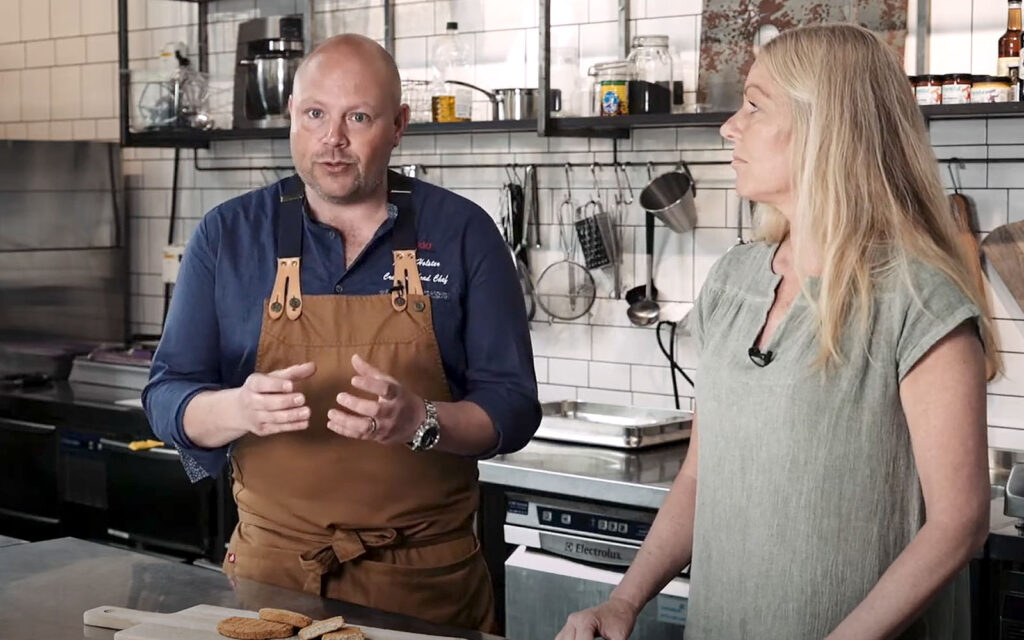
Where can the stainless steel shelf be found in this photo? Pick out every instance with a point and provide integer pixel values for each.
(615, 127)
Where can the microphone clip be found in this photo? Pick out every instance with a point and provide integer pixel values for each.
(760, 358)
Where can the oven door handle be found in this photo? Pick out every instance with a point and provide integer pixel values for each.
(156, 452)
(527, 559)
(26, 427)
(573, 547)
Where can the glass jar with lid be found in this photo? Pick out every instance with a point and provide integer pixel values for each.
(992, 89)
(928, 89)
(956, 88)
(650, 87)
(610, 81)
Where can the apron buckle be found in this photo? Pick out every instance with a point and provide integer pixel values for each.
(286, 287)
(398, 299)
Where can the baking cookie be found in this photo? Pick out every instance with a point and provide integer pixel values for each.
(253, 629)
(318, 629)
(348, 633)
(285, 617)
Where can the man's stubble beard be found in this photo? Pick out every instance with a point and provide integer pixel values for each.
(361, 188)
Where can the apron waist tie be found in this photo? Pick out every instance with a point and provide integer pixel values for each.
(346, 545)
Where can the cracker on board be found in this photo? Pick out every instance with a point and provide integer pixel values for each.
(253, 629)
(285, 617)
(318, 629)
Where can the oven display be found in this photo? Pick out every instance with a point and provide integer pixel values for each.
(590, 523)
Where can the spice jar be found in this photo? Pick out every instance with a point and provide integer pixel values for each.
(610, 87)
(650, 83)
(991, 89)
(956, 88)
(928, 89)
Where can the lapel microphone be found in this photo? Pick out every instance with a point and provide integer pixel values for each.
(760, 358)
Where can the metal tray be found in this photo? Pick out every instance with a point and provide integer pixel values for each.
(609, 425)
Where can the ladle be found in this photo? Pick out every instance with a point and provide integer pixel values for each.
(644, 312)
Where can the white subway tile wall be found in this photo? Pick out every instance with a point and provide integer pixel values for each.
(58, 67)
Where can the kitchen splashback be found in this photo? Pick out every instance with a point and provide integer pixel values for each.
(63, 266)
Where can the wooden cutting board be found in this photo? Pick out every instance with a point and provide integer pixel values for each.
(197, 623)
(1004, 250)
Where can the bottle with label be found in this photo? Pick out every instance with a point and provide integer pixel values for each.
(1009, 44)
(450, 102)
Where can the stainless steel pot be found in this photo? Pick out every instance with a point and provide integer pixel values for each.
(514, 104)
(521, 104)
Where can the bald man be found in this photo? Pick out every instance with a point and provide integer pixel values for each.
(352, 340)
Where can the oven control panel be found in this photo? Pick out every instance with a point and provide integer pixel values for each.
(595, 520)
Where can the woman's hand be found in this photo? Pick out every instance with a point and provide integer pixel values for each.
(611, 620)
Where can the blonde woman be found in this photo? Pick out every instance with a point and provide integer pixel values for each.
(842, 483)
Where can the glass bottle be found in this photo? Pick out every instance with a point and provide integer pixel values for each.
(1009, 43)
(450, 61)
(650, 87)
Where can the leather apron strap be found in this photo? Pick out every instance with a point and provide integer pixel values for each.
(287, 291)
(403, 243)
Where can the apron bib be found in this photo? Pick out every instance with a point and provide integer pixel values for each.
(377, 525)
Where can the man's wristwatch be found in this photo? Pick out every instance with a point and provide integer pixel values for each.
(429, 432)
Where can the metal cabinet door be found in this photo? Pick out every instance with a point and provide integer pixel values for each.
(151, 500)
(28, 471)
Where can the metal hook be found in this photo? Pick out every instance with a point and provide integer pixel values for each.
(510, 173)
(619, 197)
(955, 179)
(596, 195)
(568, 181)
(650, 171)
(629, 187)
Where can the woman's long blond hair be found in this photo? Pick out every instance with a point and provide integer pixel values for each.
(867, 182)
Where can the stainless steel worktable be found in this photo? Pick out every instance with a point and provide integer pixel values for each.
(6, 541)
(46, 586)
(636, 478)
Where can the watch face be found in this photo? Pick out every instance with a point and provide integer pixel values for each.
(429, 438)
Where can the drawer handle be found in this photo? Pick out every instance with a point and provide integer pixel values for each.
(161, 452)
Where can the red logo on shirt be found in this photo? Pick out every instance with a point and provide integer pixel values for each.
(425, 246)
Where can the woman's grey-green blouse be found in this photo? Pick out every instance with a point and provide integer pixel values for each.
(807, 489)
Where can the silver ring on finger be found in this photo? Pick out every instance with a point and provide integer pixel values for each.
(373, 426)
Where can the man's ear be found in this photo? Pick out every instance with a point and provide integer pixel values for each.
(401, 123)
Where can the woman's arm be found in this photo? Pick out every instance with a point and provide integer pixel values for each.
(664, 553)
(943, 398)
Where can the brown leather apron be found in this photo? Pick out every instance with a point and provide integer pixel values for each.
(359, 521)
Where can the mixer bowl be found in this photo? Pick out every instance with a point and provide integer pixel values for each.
(271, 79)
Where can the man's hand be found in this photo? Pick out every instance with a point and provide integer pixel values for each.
(267, 403)
(392, 418)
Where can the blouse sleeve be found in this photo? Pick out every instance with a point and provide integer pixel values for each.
(933, 309)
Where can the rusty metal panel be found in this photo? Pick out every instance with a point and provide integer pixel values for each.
(731, 30)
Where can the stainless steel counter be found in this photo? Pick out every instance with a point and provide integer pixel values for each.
(45, 587)
(635, 478)
(6, 541)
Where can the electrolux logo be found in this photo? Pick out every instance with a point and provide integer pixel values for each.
(583, 549)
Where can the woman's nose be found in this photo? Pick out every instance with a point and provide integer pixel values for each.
(729, 129)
